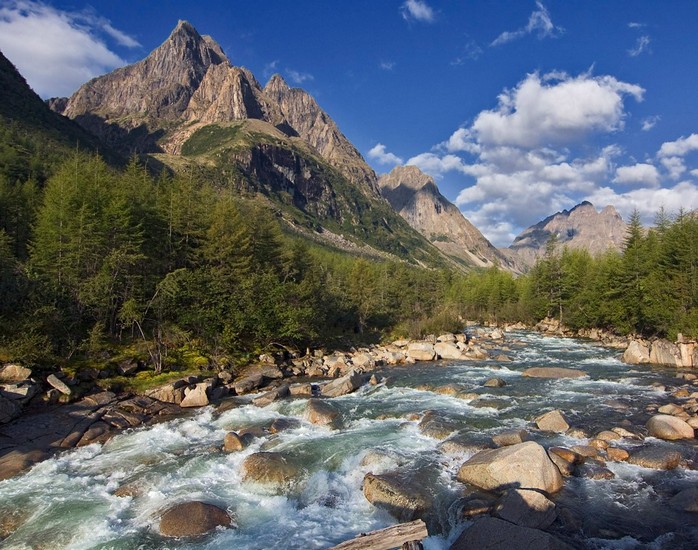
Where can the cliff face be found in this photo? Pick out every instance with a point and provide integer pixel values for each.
(581, 227)
(415, 196)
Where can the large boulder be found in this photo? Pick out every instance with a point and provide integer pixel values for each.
(552, 421)
(447, 350)
(193, 519)
(269, 397)
(665, 426)
(322, 413)
(522, 466)
(421, 351)
(664, 352)
(496, 534)
(402, 501)
(169, 393)
(344, 385)
(637, 353)
(269, 468)
(553, 372)
(657, 458)
(14, 373)
(526, 508)
(196, 396)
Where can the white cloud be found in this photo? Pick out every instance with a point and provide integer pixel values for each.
(380, 155)
(642, 173)
(680, 147)
(539, 23)
(435, 165)
(387, 65)
(635, 25)
(417, 10)
(461, 140)
(555, 109)
(650, 122)
(270, 68)
(642, 45)
(298, 77)
(57, 51)
(674, 166)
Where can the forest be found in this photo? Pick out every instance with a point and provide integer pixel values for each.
(95, 260)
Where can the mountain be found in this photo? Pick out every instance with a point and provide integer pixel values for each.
(415, 196)
(187, 106)
(581, 227)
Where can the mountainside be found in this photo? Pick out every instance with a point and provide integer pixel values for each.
(581, 227)
(415, 196)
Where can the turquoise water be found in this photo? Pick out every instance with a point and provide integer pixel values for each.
(69, 501)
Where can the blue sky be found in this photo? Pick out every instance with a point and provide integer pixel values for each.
(518, 108)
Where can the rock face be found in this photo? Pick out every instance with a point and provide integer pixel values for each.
(415, 196)
(664, 352)
(496, 534)
(192, 519)
(523, 466)
(582, 227)
(669, 427)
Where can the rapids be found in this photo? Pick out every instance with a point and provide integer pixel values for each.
(69, 501)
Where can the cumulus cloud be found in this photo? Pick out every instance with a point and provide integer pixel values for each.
(649, 123)
(555, 108)
(382, 156)
(674, 166)
(641, 45)
(298, 77)
(435, 165)
(57, 51)
(641, 173)
(417, 10)
(539, 23)
(680, 147)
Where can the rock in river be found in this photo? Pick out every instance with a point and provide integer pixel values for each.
(401, 500)
(496, 534)
(669, 427)
(191, 519)
(553, 372)
(269, 468)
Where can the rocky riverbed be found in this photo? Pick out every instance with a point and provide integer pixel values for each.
(518, 437)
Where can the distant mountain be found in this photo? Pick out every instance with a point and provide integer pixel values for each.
(415, 196)
(186, 105)
(581, 227)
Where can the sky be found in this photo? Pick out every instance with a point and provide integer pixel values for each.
(517, 108)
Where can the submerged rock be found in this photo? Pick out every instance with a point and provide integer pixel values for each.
(553, 372)
(192, 519)
(524, 466)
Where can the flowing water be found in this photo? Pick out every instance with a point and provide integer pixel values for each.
(69, 501)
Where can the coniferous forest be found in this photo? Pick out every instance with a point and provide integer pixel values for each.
(95, 260)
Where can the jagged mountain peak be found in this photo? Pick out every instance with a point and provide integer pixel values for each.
(410, 177)
(276, 85)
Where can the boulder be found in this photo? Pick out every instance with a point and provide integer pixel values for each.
(489, 533)
(437, 426)
(686, 500)
(616, 454)
(510, 437)
(447, 350)
(301, 389)
(58, 384)
(344, 385)
(593, 469)
(446, 337)
(526, 508)
(269, 468)
(19, 460)
(322, 413)
(421, 351)
(14, 373)
(282, 424)
(248, 383)
(495, 383)
(272, 395)
(553, 372)
(232, 442)
(9, 409)
(363, 361)
(669, 427)
(402, 501)
(636, 354)
(193, 519)
(196, 396)
(169, 393)
(523, 466)
(552, 421)
(664, 352)
(657, 458)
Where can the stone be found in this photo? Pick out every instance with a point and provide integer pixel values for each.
(566, 468)
(566, 454)
(487, 533)
(657, 458)
(402, 501)
(232, 442)
(510, 437)
(616, 454)
(436, 425)
(322, 413)
(664, 352)
(502, 358)
(344, 385)
(196, 396)
(447, 350)
(636, 354)
(586, 451)
(523, 466)
(363, 361)
(9, 409)
(553, 372)
(302, 389)
(18, 460)
(21, 392)
(495, 383)
(668, 427)
(671, 409)
(526, 508)
(593, 470)
(14, 373)
(272, 395)
(282, 424)
(421, 351)
(169, 393)
(686, 500)
(269, 468)
(446, 337)
(247, 384)
(598, 443)
(552, 421)
(193, 519)
(608, 435)
(58, 384)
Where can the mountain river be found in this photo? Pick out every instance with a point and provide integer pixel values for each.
(69, 501)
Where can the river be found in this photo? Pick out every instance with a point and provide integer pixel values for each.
(69, 501)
